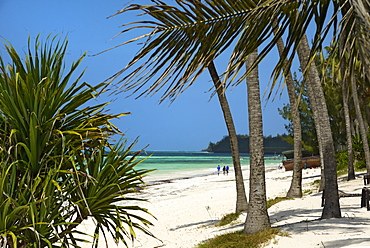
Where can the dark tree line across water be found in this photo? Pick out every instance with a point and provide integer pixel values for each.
(272, 145)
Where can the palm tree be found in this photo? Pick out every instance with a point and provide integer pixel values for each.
(57, 166)
(317, 99)
(340, 86)
(208, 29)
(354, 54)
(179, 63)
(257, 216)
(361, 121)
(241, 198)
(295, 189)
(351, 169)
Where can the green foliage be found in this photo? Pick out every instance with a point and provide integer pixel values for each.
(358, 155)
(358, 152)
(57, 167)
(228, 218)
(241, 240)
(272, 145)
(342, 160)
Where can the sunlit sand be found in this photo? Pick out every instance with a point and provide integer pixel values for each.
(187, 210)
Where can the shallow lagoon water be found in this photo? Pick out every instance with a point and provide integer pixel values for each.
(177, 164)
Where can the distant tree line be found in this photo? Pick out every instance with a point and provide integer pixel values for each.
(272, 145)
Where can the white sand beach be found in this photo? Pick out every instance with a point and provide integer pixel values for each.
(187, 209)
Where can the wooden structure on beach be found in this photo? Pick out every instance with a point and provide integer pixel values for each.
(308, 160)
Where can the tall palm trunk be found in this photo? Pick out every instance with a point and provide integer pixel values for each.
(361, 122)
(351, 169)
(347, 117)
(257, 217)
(316, 115)
(241, 198)
(295, 189)
(317, 100)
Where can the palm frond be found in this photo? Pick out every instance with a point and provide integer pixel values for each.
(353, 39)
(183, 39)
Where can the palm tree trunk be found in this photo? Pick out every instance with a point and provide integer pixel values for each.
(361, 122)
(316, 115)
(317, 99)
(351, 169)
(257, 217)
(295, 189)
(241, 198)
(347, 117)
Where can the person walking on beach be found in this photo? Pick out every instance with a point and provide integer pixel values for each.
(218, 169)
(224, 170)
(227, 169)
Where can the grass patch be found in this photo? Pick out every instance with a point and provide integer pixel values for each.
(228, 218)
(307, 192)
(241, 240)
(342, 172)
(272, 202)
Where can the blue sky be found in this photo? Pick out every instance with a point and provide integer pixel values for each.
(188, 124)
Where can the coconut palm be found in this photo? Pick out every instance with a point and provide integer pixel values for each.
(177, 66)
(325, 138)
(175, 89)
(257, 216)
(351, 169)
(206, 29)
(354, 56)
(57, 166)
(339, 102)
(295, 189)
(241, 198)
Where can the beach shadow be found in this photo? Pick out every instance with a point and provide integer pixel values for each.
(206, 223)
(348, 225)
(299, 214)
(348, 231)
(358, 176)
(313, 176)
(347, 242)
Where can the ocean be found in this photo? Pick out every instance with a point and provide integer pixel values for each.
(179, 164)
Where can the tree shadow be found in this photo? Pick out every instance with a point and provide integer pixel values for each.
(347, 229)
(206, 223)
(347, 242)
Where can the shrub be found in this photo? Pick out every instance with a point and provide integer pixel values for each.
(57, 166)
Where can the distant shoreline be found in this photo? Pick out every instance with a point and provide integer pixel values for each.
(246, 153)
(152, 180)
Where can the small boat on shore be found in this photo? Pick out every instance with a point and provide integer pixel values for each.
(308, 160)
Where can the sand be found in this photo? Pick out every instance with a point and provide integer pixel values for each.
(187, 210)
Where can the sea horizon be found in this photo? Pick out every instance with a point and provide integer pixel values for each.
(179, 164)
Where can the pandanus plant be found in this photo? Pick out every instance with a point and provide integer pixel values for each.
(57, 164)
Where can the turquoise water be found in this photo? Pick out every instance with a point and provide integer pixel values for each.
(179, 163)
